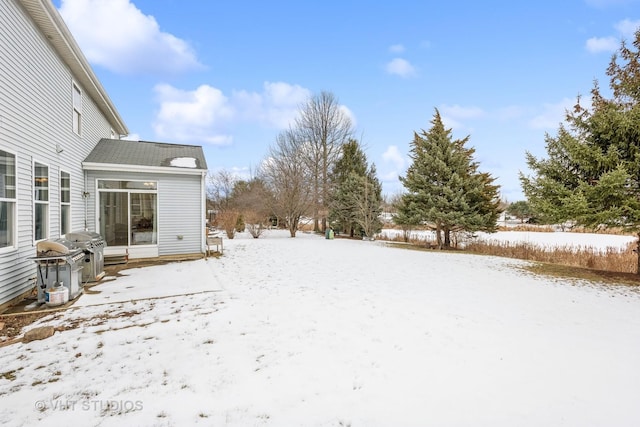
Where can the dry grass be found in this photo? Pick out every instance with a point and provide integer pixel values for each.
(609, 261)
(583, 257)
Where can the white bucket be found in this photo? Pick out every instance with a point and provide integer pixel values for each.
(56, 296)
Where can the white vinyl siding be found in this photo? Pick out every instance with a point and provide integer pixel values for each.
(36, 104)
(182, 214)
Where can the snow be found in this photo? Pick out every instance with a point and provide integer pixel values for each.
(184, 162)
(178, 278)
(316, 332)
(549, 240)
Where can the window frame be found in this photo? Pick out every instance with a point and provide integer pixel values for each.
(64, 230)
(13, 201)
(76, 103)
(44, 203)
(139, 186)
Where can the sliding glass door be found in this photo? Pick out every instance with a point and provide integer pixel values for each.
(128, 212)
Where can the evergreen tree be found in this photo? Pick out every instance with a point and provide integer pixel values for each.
(444, 187)
(405, 217)
(552, 192)
(520, 209)
(592, 173)
(352, 161)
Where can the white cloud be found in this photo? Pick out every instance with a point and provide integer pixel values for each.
(400, 67)
(396, 48)
(276, 106)
(282, 101)
(116, 35)
(453, 115)
(459, 112)
(626, 30)
(347, 112)
(451, 123)
(207, 115)
(199, 115)
(392, 155)
(553, 114)
(602, 44)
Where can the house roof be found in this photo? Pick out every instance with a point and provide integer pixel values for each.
(48, 20)
(137, 156)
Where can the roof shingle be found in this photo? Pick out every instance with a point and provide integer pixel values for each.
(145, 153)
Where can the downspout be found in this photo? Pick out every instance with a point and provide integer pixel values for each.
(203, 211)
(85, 197)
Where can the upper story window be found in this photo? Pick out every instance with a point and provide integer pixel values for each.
(7, 199)
(65, 202)
(40, 201)
(77, 109)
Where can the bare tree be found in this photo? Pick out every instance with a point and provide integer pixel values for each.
(325, 126)
(219, 193)
(287, 180)
(250, 197)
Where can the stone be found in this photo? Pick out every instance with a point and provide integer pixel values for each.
(39, 333)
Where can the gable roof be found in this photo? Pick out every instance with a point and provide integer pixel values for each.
(139, 156)
(50, 23)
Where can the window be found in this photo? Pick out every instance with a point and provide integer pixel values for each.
(128, 212)
(7, 199)
(40, 201)
(65, 202)
(77, 109)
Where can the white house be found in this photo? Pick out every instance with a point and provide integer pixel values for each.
(63, 166)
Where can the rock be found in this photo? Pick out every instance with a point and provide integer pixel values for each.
(39, 333)
(1, 326)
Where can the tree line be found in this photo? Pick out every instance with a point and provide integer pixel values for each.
(317, 169)
(314, 169)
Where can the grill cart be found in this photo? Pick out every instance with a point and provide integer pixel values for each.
(92, 244)
(59, 267)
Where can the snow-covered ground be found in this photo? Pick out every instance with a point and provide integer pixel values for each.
(316, 332)
(549, 240)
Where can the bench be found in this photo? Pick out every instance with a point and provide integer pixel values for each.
(214, 241)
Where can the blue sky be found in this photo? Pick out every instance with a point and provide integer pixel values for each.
(230, 75)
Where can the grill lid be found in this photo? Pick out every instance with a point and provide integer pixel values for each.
(86, 239)
(83, 236)
(57, 247)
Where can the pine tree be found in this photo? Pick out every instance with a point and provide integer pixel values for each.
(445, 188)
(592, 174)
(352, 161)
